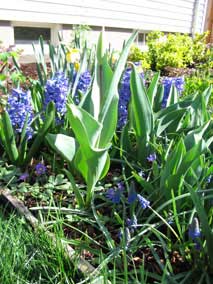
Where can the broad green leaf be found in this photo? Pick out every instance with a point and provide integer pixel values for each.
(190, 156)
(207, 94)
(105, 113)
(62, 144)
(9, 137)
(195, 136)
(170, 122)
(92, 164)
(195, 172)
(141, 107)
(173, 163)
(157, 106)
(173, 96)
(199, 113)
(100, 49)
(85, 127)
(153, 88)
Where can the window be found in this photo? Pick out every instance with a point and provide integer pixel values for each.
(30, 34)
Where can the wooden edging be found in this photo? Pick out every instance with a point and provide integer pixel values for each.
(84, 266)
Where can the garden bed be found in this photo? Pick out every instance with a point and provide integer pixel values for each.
(116, 158)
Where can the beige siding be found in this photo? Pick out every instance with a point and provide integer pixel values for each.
(146, 15)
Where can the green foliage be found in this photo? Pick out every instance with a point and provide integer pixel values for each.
(29, 257)
(198, 83)
(174, 50)
(162, 155)
(202, 53)
(17, 150)
(95, 121)
(9, 68)
(136, 55)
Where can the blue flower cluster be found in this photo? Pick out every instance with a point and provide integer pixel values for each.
(83, 85)
(56, 90)
(115, 194)
(124, 97)
(167, 82)
(19, 108)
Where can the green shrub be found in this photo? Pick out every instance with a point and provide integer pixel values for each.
(137, 55)
(178, 50)
(173, 50)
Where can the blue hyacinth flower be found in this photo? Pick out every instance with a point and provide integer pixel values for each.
(167, 83)
(20, 110)
(56, 90)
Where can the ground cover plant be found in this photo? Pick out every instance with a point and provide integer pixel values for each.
(118, 159)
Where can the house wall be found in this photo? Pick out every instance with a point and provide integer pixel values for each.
(185, 16)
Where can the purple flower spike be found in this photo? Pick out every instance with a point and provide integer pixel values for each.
(40, 169)
(114, 195)
(23, 176)
(151, 158)
(143, 201)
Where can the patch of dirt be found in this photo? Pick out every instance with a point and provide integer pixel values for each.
(30, 70)
(176, 72)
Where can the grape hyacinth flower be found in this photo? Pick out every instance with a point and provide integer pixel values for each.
(19, 108)
(56, 90)
(194, 233)
(151, 158)
(83, 85)
(167, 83)
(114, 194)
(40, 169)
(143, 201)
(23, 176)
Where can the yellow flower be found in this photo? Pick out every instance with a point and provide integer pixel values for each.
(115, 57)
(76, 66)
(73, 55)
